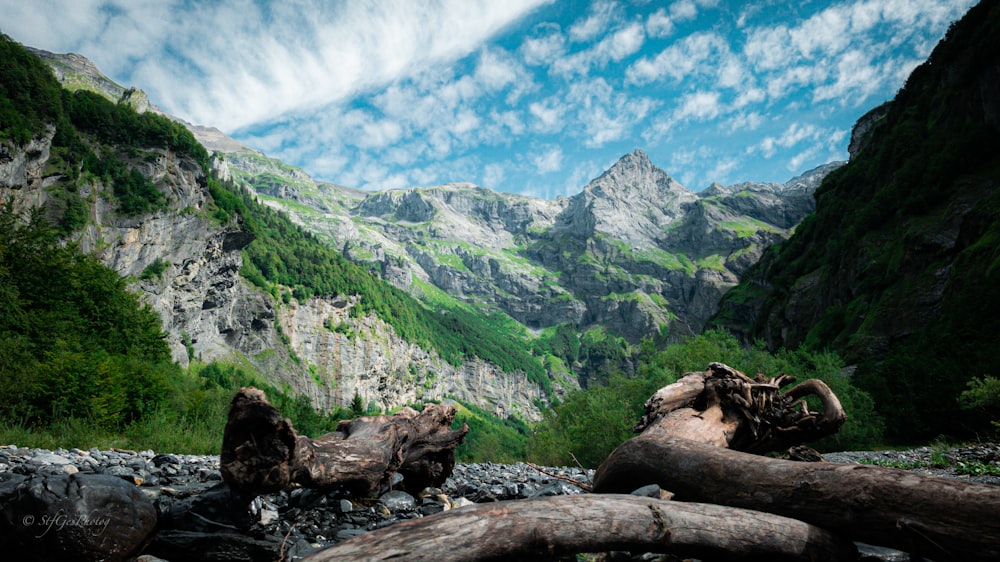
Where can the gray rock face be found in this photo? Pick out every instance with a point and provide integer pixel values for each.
(633, 202)
(22, 167)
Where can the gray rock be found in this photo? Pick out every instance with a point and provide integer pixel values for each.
(397, 500)
(348, 533)
(650, 491)
(50, 458)
(76, 517)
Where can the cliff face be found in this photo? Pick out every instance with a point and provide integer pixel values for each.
(187, 266)
(896, 268)
(635, 251)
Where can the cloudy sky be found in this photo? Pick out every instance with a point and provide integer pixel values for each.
(524, 96)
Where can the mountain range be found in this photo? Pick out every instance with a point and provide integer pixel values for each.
(887, 259)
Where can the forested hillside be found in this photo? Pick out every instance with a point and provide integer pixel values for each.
(81, 350)
(898, 267)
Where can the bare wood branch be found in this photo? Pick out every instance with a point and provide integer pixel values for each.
(573, 481)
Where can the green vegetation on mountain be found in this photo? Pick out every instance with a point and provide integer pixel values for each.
(73, 339)
(897, 268)
(95, 139)
(30, 97)
(590, 423)
(83, 362)
(284, 255)
(490, 438)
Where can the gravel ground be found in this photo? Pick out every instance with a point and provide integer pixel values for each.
(938, 461)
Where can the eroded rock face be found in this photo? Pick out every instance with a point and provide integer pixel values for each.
(365, 356)
(23, 166)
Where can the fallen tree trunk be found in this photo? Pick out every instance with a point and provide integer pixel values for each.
(262, 453)
(940, 518)
(544, 527)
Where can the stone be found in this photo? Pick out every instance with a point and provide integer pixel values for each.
(559, 488)
(76, 517)
(650, 491)
(397, 500)
(348, 533)
(460, 502)
(50, 458)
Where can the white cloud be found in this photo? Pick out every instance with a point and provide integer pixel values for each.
(856, 76)
(493, 175)
(548, 161)
(244, 63)
(724, 167)
(698, 106)
(814, 138)
(683, 10)
(683, 58)
(795, 162)
(548, 115)
(544, 49)
(372, 133)
(659, 24)
(615, 47)
(769, 48)
(744, 122)
(601, 13)
(497, 70)
(749, 96)
(604, 114)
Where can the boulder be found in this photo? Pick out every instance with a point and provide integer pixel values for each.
(78, 517)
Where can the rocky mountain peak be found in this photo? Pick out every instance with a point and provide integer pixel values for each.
(633, 172)
(633, 201)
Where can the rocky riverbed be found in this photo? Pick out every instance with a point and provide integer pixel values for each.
(176, 507)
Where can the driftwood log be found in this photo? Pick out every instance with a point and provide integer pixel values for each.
(724, 407)
(546, 527)
(262, 453)
(939, 518)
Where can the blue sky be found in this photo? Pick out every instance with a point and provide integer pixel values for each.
(523, 96)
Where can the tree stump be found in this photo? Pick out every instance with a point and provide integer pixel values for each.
(262, 453)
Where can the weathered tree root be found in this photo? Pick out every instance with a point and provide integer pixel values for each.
(940, 518)
(724, 407)
(261, 452)
(522, 529)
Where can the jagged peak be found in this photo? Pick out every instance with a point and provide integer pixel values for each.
(633, 171)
